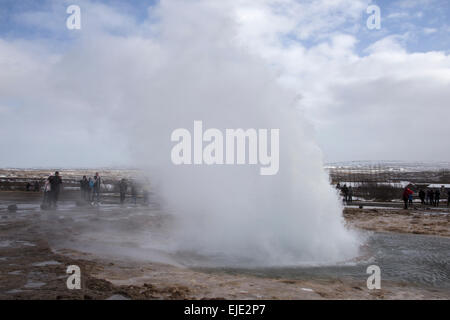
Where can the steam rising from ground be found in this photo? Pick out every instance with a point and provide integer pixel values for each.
(199, 73)
(188, 66)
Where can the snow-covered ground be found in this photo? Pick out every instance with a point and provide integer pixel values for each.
(389, 166)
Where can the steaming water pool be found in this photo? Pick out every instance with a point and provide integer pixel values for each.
(410, 259)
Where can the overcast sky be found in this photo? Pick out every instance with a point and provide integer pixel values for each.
(369, 94)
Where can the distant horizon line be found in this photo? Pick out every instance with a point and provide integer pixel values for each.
(124, 167)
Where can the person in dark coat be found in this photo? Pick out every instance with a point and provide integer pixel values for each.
(437, 195)
(422, 196)
(431, 197)
(345, 192)
(55, 183)
(448, 197)
(123, 190)
(134, 192)
(350, 194)
(84, 188)
(97, 186)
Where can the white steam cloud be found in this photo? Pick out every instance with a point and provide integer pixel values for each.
(230, 211)
(190, 66)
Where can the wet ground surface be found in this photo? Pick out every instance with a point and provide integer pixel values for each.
(403, 258)
(106, 241)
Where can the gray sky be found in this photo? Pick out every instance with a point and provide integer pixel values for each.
(368, 94)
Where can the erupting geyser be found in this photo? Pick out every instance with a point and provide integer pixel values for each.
(181, 72)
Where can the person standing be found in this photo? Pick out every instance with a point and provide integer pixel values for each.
(47, 194)
(86, 194)
(431, 197)
(97, 186)
(83, 187)
(90, 189)
(442, 190)
(350, 194)
(406, 193)
(123, 190)
(345, 192)
(55, 183)
(448, 197)
(134, 192)
(437, 195)
(422, 196)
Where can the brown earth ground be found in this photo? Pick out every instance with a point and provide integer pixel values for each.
(30, 269)
(399, 220)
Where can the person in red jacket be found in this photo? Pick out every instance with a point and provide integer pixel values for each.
(406, 193)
